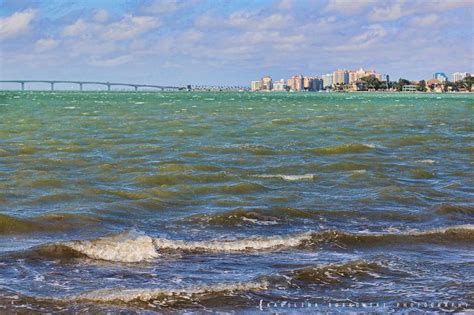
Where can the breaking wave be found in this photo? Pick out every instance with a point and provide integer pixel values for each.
(130, 247)
(168, 296)
(329, 274)
(289, 178)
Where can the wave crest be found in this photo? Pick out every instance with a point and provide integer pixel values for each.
(178, 295)
(133, 247)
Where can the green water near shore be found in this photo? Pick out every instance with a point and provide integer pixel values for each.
(216, 198)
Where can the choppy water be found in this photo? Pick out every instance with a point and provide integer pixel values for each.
(229, 201)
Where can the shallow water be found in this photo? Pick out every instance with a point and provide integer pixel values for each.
(230, 201)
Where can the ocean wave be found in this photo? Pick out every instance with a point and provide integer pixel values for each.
(132, 246)
(341, 272)
(241, 216)
(289, 178)
(234, 218)
(240, 188)
(127, 247)
(174, 179)
(344, 148)
(328, 274)
(168, 296)
(285, 215)
(450, 209)
(241, 148)
(52, 222)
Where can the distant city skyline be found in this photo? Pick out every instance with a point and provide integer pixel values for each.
(223, 42)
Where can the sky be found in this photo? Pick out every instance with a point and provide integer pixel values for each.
(231, 42)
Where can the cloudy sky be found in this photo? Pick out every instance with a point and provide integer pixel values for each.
(231, 41)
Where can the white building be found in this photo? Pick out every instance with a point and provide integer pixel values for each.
(256, 85)
(280, 85)
(459, 76)
(267, 83)
(327, 80)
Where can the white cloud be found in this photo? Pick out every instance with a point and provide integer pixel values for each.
(285, 4)
(191, 36)
(425, 20)
(127, 28)
(16, 24)
(391, 13)
(364, 40)
(401, 8)
(77, 28)
(167, 6)
(443, 5)
(349, 7)
(46, 44)
(111, 62)
(245, 20)
(101, 16)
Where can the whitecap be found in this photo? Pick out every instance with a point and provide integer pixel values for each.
(246, 244)
(147, 294)
(125, 247)
(288, 177)
(427, 161)
(258, 222)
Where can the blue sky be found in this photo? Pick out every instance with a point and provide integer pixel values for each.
(224, 42)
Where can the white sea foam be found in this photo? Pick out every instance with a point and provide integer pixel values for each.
(132, 246)
(148, 294)
(288, 177)
(135, 247)
(461, 227)
(246, 244)
(259, 222)
(427, 161)
(125, 247)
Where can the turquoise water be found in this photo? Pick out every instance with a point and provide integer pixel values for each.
(219, 201)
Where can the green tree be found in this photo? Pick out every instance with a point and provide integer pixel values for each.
(372, 82)
(421, 86)
(467, 82)
(401, 83)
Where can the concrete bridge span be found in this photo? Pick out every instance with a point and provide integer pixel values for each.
(82, 83)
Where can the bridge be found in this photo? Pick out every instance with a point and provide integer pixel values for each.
(107, 84)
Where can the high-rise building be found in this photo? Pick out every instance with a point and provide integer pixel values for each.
(256, 85)
(327, 80)
(353, 76)
(267, 83)
(317, 84)
(340, 76)
(307, 83)
(279, 85)
(459, 76)
(312, 83)
(356, 75)
(441, 76)
(296, 83)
